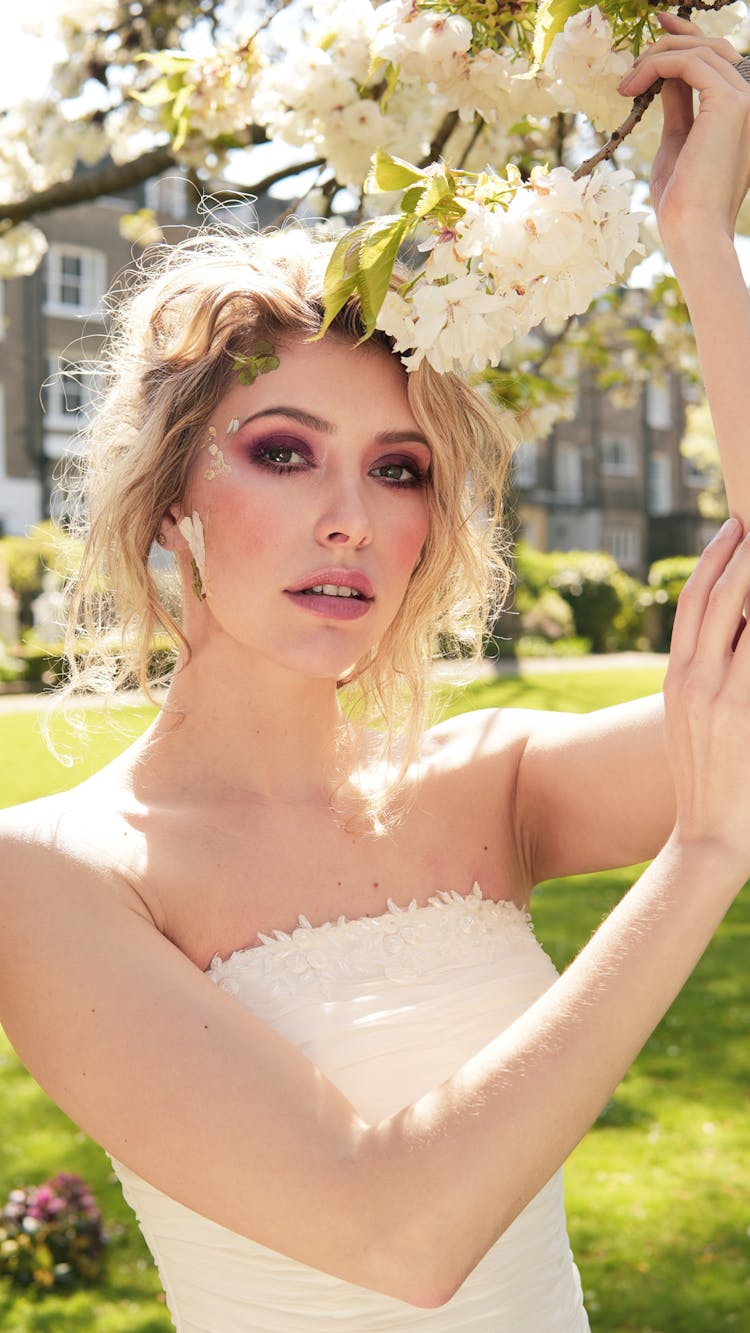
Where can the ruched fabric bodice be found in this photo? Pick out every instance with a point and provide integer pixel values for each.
(387, 1007)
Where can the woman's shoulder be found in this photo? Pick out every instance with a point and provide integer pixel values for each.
(71, 837)
(498, 734)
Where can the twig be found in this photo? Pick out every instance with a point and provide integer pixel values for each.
(273, 177)
(640, 105)
(441, 138)
(479, 124)
(276, 9)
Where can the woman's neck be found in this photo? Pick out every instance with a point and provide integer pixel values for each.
(237, 729)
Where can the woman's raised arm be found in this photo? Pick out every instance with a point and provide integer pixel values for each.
(189, 1089)
(700, 178)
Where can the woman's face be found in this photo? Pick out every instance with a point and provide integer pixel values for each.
(314, 510)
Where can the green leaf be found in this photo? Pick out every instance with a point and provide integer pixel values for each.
(433, 194)
(392, 76)
(340, 279)
(377, 256)
(551, 17)
(169, 62)
(157, 95)
(362, 263)
(390, 173)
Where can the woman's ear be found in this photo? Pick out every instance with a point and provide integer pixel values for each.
(167, 530)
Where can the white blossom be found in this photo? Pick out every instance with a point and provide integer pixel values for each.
(522, 253)
(584, 70)
(21, 250)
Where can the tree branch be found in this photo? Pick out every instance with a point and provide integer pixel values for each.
(106, 178)
(441, 138)
(640, 104)
(273, 177)
(109, 178)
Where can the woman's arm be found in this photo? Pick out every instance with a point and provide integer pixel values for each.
(189, 1089)
(700, 178)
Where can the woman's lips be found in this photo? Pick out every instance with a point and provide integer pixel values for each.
(334, 606)
(338, 594)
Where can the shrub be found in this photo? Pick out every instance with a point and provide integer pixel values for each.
(549, 616)
(607, 605)
(666, 579)
(51, 1235)
(26, 559)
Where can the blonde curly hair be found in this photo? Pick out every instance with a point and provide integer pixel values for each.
(178, 325)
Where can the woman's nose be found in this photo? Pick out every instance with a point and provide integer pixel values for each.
(345, 519)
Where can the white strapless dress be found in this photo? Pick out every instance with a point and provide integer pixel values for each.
(387, 1007)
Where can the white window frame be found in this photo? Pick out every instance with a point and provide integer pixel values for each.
(3, 434)
(623, 541)
(67, 393)
(526, 464)
(659, 415)
(659, 487)
(624, 465)
(91, 282)
(568, 469)
(168, 196)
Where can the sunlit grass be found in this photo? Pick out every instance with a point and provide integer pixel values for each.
(657, 1192)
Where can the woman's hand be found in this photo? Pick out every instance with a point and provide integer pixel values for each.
(707, 694)
(701, 172)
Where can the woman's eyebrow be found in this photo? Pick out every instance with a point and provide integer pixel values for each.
(327, 427)
(297, 414)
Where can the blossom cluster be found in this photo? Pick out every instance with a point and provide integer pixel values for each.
(219, 98)
(520, 253)
(51, 1234)
(324, 95)
(584, 70)
(436, 48)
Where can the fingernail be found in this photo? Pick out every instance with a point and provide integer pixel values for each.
(730, 526)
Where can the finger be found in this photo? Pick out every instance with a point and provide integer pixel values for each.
(677, 103)
(685, 41)
(698, 66)
(693, 601)
(718, 632)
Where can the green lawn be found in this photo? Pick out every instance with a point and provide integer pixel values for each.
(658, 1191)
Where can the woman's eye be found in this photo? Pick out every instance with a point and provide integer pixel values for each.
(402, 473)
(280, 455)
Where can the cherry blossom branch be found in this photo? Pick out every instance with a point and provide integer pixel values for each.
(81, 188)
(479, 125)
(108, 178)
(441, 138)
(641, 103)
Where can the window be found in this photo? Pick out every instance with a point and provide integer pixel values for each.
(3, 453)
(66, 394)
(659, 404)
(525, 464)
(168, 195)
(619, 457)
(623, 541)
(659, 484)
(75, 280)
(568, 473)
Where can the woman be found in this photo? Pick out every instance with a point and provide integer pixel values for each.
(357, 1121)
